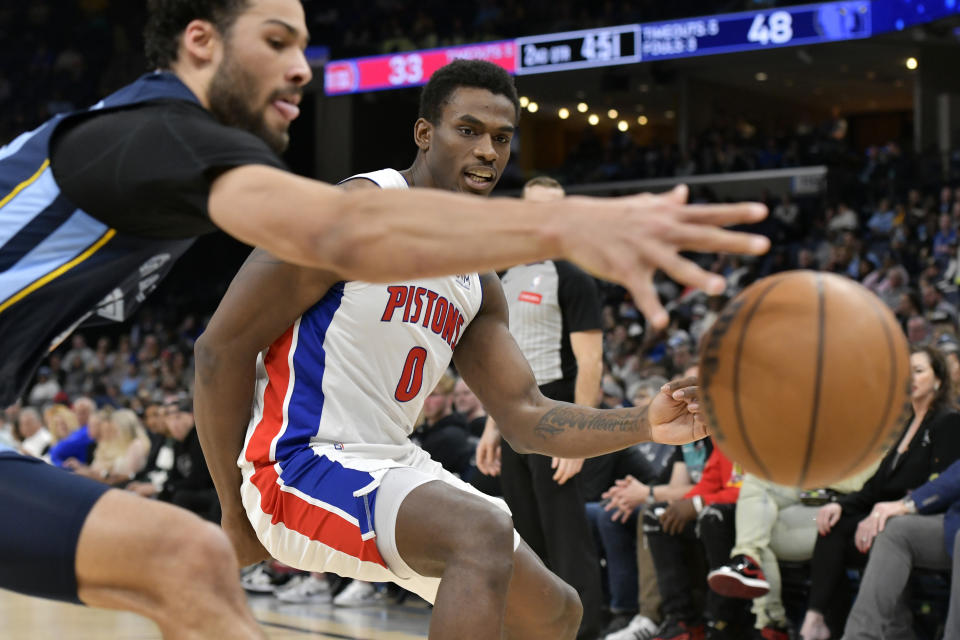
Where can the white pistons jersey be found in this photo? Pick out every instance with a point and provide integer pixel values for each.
(352, 373)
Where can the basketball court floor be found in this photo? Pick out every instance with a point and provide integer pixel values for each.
(23, 618)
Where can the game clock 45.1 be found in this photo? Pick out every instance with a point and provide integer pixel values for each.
(578, 49)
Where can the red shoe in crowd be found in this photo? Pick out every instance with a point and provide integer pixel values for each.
(680, 630)
(775, 633)
(742, 578)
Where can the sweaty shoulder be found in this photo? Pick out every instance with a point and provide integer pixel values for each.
(147, 169)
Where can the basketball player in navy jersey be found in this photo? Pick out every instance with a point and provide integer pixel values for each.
(336, 371)
(99, 203)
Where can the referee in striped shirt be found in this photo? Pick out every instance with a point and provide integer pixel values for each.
(555, 318)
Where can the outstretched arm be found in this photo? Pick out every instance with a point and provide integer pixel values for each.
(264, 299)
(492, 365)
(380, 236)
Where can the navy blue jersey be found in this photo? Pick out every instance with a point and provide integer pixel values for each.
(62, 265)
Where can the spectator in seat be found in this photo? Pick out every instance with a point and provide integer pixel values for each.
(945, 240)
(443, 433)
(702, 519)
(466, 403)
(773, 523)
(882, 220)
(929, 443)
(79, 444)
(122, 447)
(631, 496)
(615, 531)
(61, 422)
(150, 480)
(34, 437)
(45, 389)
(188, 484)
(919, 530)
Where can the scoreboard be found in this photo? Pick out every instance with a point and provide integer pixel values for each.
(408, 69)
(578, 49)
(629, 44)
(789, 26)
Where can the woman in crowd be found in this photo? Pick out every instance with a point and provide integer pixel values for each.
(61, 422)
(122, 447)
(929, 443)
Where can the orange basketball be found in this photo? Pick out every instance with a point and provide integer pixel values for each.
(805, 378)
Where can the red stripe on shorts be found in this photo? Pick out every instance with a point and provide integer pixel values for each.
(277, 363)
(310, 520)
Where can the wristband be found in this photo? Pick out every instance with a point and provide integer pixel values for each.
(698, 503)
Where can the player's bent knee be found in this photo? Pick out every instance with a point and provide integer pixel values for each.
(492, 532)
(199, 554)
(558, 616)
(210, 549)
(572, 611)
(486, 542)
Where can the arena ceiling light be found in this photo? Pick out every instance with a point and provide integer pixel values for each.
(912, 63)
(642, 121)
(582, 107)
(524, 101)
(594, 119)
(533, 107)
(564, 113)
(613, 114)
(622, 125)
(761, 76)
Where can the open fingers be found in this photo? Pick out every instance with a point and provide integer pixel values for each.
(686, 271)
(677, 195)
(723, 214)
(708, 239)
(648, 302)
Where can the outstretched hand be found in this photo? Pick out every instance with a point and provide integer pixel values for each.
(675, 413)
(640, 234)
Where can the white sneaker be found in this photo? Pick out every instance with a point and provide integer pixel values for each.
(640, 628)
(304, 588)
(358, 594)
(256, 579)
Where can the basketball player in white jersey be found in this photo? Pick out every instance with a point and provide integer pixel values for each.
(338, 372)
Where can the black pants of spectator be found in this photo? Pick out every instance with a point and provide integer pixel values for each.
(714, 532)
(552, 519)
(203, 502)
(832, 555)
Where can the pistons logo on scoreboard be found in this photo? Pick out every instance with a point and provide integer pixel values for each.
(340, 77)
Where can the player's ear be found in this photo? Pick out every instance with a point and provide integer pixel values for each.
(422, 133)
(200, 41)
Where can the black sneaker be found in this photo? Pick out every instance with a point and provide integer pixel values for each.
(618, 621)
(741, 578)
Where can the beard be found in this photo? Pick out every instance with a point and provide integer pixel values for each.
(229, 97)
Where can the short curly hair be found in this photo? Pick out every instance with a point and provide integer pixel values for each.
(465, 73)
(167, 20)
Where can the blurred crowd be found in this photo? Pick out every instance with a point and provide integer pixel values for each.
(115, 405)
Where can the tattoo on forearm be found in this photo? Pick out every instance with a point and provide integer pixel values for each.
(562, 418)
